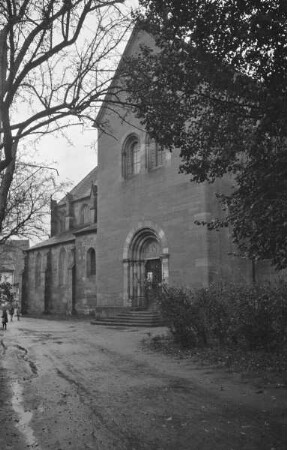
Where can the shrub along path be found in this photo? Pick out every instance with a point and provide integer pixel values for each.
(260, 367)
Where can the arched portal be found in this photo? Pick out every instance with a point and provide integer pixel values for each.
(145, 263)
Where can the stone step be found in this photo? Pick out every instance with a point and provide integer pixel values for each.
(126, 324)
(145, 312)
(137, 316)
(128, 319)
(132, 318)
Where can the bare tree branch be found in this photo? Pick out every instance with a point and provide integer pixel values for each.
(57, 61)
(28, 203)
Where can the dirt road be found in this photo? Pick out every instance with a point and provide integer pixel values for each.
(73, 386)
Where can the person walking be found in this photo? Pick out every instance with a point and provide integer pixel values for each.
(17, 312)
(4, 319)
(11, 312)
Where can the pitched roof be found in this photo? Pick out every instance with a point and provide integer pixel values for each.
(87, 229)
(83, 188)
(66, 236)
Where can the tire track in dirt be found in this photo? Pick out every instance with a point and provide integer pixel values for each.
(3, 348)
(109, 426)
(100, 390)
(31, 364)
(154, 390)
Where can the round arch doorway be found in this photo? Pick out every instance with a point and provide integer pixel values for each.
(145, 266)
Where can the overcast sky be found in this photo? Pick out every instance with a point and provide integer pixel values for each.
(73, 159)
(76, 159)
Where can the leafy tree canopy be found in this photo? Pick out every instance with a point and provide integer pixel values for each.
(215, 86)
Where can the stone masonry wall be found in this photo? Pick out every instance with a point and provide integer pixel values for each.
(86, 288)
(197, 257)
(161, 196)
(61, 293)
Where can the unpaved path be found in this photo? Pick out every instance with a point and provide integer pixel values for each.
(69, 385)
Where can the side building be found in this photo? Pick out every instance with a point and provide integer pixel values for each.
(12, 254)
(60, 273)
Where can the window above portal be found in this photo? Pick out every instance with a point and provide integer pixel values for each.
(154, 154)
(131, 156)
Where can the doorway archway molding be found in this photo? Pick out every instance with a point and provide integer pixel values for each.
(143, 235)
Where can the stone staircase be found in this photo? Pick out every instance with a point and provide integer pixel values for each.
(150, 318)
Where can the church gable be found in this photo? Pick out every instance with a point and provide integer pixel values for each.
(116, 89)
(125, 150)
(78, 208)
(83, 188)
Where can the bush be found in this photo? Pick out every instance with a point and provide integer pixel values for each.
(253, 317)
(177, 310)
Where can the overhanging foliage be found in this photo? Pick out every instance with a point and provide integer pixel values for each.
(216, 87)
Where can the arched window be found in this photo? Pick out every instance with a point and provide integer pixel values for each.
(154, 154)
(91, 262)
(61, 223)
(38, 262)
(131, 156)
(62, 268)
(85, 214)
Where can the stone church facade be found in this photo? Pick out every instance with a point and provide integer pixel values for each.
(139, 227)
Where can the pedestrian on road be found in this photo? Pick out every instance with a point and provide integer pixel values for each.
(11, 312)
(17, 312)
(4, 319)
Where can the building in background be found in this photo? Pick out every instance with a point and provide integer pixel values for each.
(12, 254)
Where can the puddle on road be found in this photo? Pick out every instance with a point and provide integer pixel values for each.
(23, 416)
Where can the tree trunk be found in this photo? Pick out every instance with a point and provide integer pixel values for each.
(6, 180)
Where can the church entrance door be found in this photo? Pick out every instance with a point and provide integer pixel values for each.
(145, 265)
(153, 276)
(153, 271)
